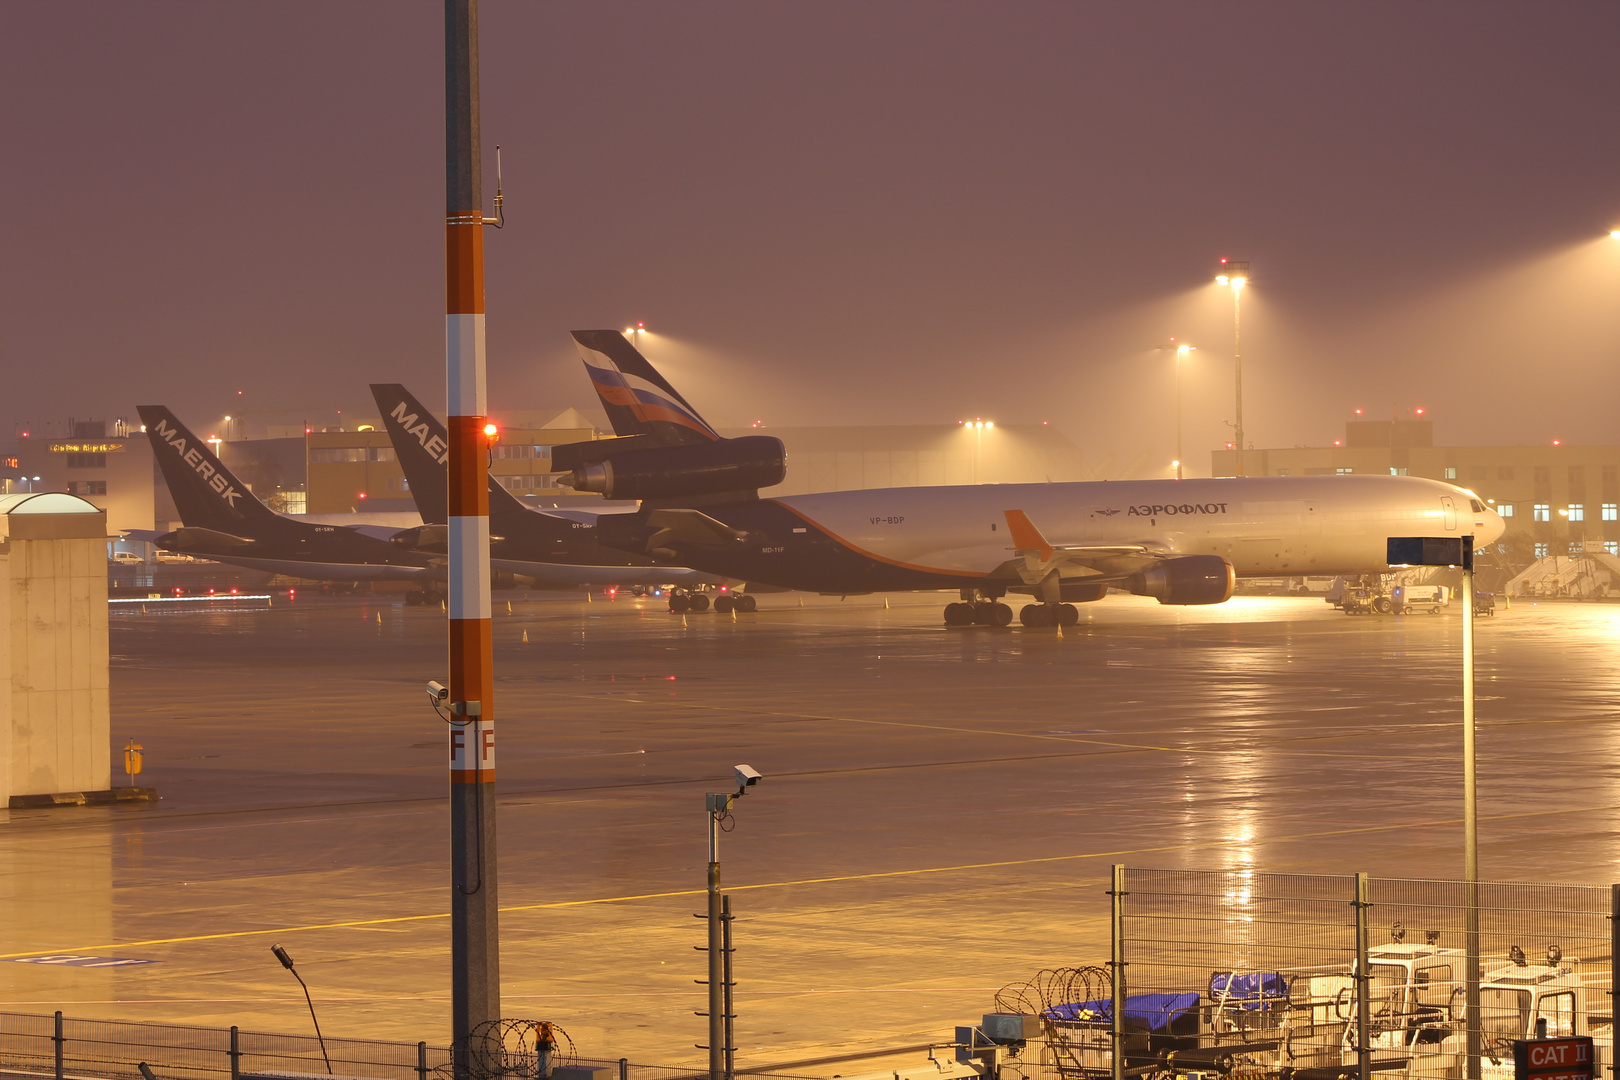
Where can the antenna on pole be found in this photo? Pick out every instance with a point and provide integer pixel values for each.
(499, 220)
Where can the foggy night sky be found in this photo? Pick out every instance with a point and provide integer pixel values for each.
(831, 213)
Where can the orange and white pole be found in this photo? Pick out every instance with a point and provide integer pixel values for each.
(475, 933)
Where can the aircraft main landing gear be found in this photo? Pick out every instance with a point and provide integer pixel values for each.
(978, 612)
(741, 603)
(1048, 615)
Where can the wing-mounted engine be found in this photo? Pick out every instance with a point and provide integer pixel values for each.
(1188, 579)
(631, 469)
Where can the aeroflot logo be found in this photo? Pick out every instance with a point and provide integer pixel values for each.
(193, 457)
(1171, 509)
(431, 443)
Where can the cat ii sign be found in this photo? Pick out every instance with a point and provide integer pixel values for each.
(1553, 1059)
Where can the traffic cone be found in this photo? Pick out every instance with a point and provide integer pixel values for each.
(379, 618)
(588, 599)
(525, 637)
(733, 614)
(801, 601)
(885, 603)
(143, 609)
(509, 607)
(683, 619)
(442, 606)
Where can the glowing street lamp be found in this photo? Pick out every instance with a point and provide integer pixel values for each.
(1181, 352)
(977, 426)
(1234, 274)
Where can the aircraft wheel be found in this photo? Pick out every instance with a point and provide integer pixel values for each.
(1000, 614)
(723, 604)
(698, 603)
(959, 614)
(747, 604)
(677, 603)
(1032, 615)
(1067, 614)
(1384, 605)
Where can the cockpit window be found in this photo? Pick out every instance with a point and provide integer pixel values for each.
(1478, 507)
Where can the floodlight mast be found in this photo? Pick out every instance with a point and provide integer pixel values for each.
(475, 991)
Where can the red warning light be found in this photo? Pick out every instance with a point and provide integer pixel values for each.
(1418, 410)
(1338, 442)
(1229, 446)
(1358, 412)
(1558, 442)
(362, 494)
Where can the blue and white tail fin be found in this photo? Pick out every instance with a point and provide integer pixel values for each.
(638, 400)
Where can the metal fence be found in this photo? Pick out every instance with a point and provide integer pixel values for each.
(1251, 975)
(63, 1048)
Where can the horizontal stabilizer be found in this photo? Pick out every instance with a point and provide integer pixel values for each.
(193, 537)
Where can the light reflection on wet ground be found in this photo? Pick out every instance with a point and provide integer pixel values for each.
(947, 801)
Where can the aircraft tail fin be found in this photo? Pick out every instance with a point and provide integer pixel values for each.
(422, 446)
(207, 494)
(638, 400)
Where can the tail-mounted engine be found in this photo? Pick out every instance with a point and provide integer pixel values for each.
(629, 469)
(1190, 579)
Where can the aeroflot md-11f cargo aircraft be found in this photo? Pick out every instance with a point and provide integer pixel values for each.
(559, 550)
(223, 521)
(1180, 541)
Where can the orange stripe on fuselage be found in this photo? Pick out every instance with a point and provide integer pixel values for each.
(873, 555)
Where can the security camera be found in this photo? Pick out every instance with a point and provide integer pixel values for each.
(437, 692)
(747, 777)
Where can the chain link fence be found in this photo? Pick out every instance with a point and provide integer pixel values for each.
(1319, 977)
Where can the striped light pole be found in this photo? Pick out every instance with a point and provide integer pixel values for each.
(475, 992)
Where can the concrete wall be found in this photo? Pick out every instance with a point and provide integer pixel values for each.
(55, 641)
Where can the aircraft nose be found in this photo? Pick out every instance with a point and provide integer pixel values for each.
(1494, 528)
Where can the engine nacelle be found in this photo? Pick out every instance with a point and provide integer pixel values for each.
(1190, 579)
(745, 464)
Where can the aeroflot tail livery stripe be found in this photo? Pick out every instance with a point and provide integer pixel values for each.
(638, 400)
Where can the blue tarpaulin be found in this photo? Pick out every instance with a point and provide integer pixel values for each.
(1155, 1012)
(1251, 989)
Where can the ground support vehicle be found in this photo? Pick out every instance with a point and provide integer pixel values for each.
(1364, 601)
(1421, 599)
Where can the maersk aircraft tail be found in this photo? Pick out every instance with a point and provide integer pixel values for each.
(224, 521)
(1179, 541)
(207, 494)
(553, 549)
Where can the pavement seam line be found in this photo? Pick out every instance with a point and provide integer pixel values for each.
(553, 905)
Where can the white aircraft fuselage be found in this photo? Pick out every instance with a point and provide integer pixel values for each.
(1104, 532)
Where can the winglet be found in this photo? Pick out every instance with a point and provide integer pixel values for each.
(1026, 537)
